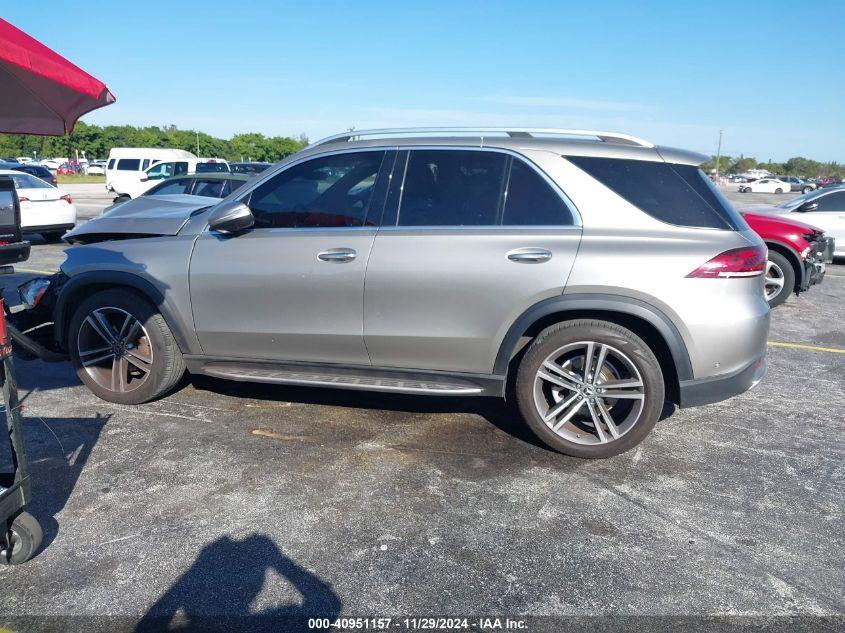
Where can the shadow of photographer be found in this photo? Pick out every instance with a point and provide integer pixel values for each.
(216, 592)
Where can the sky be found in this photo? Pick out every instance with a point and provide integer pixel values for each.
(769, 74)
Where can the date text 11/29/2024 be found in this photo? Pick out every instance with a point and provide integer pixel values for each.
(418, 624)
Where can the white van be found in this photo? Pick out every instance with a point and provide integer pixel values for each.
(168, 169)
(127, 164)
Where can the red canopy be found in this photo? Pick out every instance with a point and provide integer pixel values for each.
(40, 91)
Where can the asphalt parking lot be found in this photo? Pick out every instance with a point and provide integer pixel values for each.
(228, 499)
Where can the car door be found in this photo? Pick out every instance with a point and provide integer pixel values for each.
(830, 216)
(291, 288)
(470, 239)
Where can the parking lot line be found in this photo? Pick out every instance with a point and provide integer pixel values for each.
(817, 348)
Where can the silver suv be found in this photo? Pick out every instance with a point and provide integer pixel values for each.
(590, 276)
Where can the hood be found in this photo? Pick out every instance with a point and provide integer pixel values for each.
(778, 223)
(147, 215)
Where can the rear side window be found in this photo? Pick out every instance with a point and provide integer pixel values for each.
(832, 202)
(129, 164)
(530, 200)
(451, 188)
(672, 193)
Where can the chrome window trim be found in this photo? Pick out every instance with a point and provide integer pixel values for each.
(243, 196)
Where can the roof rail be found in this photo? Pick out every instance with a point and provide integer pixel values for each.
(513, 132)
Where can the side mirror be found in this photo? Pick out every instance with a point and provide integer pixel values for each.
(144, 178)
(808, 207)
(231, 217)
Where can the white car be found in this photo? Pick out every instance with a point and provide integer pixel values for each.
(95, 169)
(51, 163)
(824, 208)
(765, 185)
(168, 169)
(44, 208)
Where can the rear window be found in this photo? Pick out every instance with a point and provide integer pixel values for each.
(129, 164)
(206, 168)
(676, 194)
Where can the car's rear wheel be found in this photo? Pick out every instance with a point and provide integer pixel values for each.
(780, 279)
(122, 348)
(778, 190)
(589, 388)
(806, 190)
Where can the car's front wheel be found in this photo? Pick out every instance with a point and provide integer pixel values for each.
(778, 190)
(806, 190)
(122, 348)
(590, 388)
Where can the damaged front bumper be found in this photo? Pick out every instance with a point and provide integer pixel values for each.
(819, 254)
(31, 321)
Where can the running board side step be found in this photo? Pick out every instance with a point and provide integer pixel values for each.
(364, 378)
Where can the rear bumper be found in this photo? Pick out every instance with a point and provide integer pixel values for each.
(694, 393)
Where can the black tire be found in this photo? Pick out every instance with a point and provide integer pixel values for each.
(744, 189)
(26, 538)
(806, 190)
(167, 366)
(785, 267)
(604, 332)
(778, 190)
(53, 236)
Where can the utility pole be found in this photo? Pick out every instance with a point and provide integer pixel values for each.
(719, 154)
(198, 143)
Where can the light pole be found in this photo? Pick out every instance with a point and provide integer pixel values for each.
(719, 154)
(198, 143)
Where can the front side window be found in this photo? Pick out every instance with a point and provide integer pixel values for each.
(677, 194)
(129, 164)
(170, 187)
(162, 170)
(531, 201)
(833, 202)
(330, 191)
(451, 188)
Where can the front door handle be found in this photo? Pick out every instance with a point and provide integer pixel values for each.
(529, 255)
(337, 255)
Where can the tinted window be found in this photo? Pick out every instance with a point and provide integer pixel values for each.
(329, 191)
(170, 187)
(677, 194)
(129, 164)
(210, 188)
(211, 168)
(832, 202)
(111, 163)
(530, 201)
(146, 163)
(180, 168)
(451, 188)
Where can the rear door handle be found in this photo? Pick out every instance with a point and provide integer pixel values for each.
(529, 255)
(338, 255)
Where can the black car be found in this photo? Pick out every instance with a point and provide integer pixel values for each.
(38, 171)
(249, 168)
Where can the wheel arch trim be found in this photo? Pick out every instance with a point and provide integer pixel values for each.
(115, 279)
(598, 302)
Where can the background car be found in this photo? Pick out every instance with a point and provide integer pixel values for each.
(249, 167)
(44, 208)
(765, 185)
(69, 168)
(797, 255)
(51, 163)
(134, 187)
(824, 208)
(213, 186)
(798, 184)
(35, 170)
(96, 168)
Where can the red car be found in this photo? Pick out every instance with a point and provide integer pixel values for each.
(798, 253)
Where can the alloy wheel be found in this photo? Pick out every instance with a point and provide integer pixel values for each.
(114, 349)
(589, 393)
(774, 280)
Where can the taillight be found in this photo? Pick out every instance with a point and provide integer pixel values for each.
(53, 181)
(747, 261)
(67, 198)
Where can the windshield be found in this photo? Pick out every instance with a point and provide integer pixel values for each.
(798, 201)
